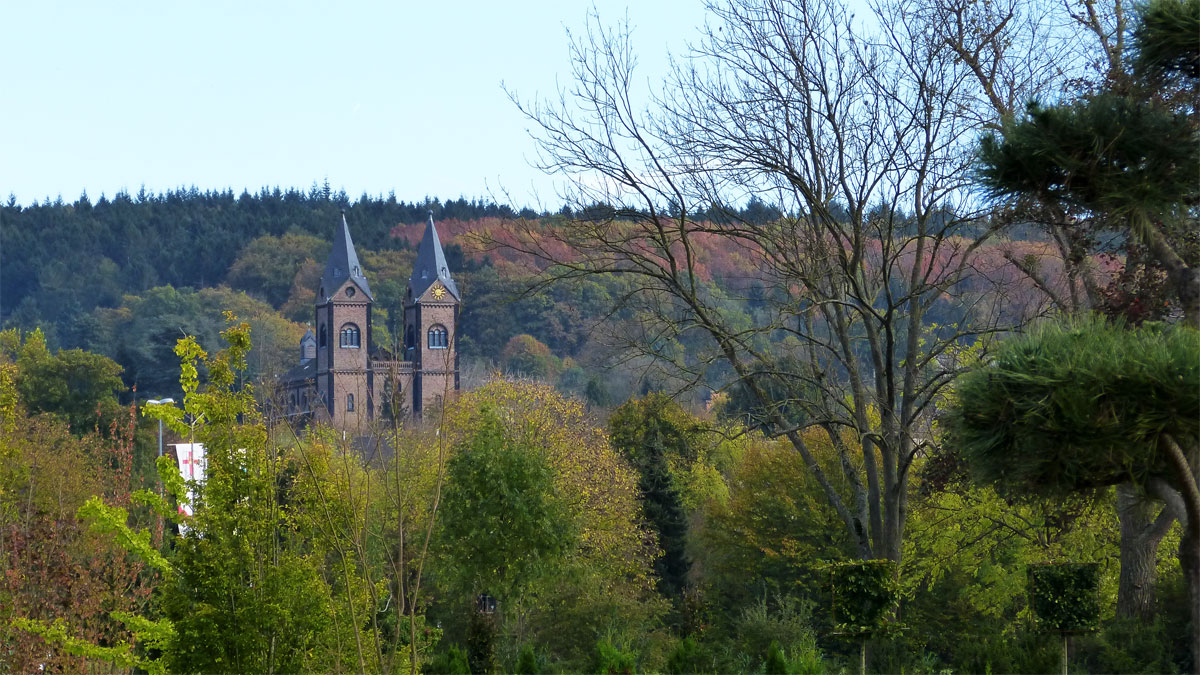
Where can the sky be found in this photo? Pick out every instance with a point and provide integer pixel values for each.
(376, 97)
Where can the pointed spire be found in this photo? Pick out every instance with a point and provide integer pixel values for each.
(431, 265)
(343, 264)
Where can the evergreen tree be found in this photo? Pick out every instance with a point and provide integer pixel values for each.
(653, 433)
(1124, 158)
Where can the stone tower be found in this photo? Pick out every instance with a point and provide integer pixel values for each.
(344, 377)
(430, 325)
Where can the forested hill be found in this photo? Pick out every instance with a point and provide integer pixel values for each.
(61, 258)
(128, 276)
(70, 257)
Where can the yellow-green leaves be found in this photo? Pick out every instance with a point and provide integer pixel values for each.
(112, 520)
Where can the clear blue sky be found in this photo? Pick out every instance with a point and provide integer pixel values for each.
(376, 96)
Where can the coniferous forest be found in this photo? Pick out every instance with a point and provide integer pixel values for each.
(864, 348)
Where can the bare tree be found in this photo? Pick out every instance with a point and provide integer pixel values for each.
(864, 136)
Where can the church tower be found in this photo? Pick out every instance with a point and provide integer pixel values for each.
(430, 325)
(343, 320)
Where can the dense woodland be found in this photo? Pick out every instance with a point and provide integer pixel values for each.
(261, 256)
(925, 398)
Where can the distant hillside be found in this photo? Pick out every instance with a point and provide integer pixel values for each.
(62, 258)
(127, 277)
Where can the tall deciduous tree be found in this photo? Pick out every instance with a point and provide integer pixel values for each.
(245, 593)
(863, 136)
(52, 571)
(591, 573)
(78, 386)
(504, 525)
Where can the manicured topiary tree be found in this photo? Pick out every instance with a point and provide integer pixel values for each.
(1086, 404)
(863, 593)
(1066, 599)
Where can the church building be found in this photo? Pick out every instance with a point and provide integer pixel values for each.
(345, 378)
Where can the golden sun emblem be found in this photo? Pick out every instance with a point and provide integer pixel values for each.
(438, 291)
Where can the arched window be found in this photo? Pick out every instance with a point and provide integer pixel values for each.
(322, 340)
(410, 337)
(438, 337)
(293, 401)
(350, 336)
(349, 402)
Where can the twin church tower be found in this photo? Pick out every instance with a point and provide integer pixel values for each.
(343, 376)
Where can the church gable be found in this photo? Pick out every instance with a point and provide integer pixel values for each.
(437, 293)
(349, 291)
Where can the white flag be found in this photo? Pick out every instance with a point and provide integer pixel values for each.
(191, 466)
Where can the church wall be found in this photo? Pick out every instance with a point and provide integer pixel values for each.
(346, 384)
(438, 366)
(399, 373)
(347, 365)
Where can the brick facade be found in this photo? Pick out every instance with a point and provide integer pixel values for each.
(347, 363)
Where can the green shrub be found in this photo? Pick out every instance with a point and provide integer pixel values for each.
(451, 662)
(863, 592)
(613, 659)
(688, 657)
(776, 662)
(804, 659)
(1065, 596)
(527, 662)
(1129, 646)
(787, 621)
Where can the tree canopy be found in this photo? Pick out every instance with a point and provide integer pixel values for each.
(1123, 157)
(1080, 404)
(79, 386)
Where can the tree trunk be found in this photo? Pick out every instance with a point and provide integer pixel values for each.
(1189, 560)
(1182, 276)
(1141, 534)
(1189, 546)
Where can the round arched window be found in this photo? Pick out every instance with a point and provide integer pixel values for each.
(350, 337)
(438, 337)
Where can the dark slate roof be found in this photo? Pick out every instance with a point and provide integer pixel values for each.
(304, 371)
(343, 264)
(431, 265)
